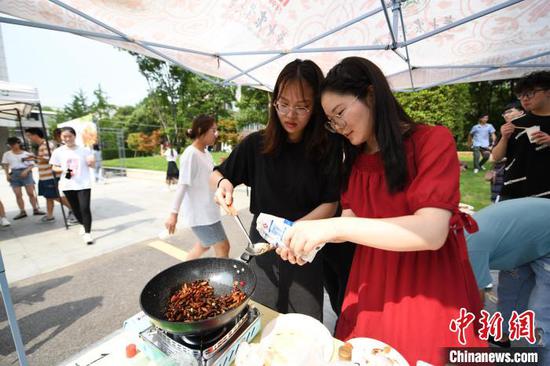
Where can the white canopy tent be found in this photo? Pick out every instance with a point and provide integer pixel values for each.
(16, 102)
(417, 43)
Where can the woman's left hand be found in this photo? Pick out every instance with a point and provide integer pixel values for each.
(541, 138)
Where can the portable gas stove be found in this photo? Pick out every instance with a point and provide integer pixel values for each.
(215, 349)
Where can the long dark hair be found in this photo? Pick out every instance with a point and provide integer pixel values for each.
(354, 75)
(306, 72)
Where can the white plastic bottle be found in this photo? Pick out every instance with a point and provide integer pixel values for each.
(273, 228)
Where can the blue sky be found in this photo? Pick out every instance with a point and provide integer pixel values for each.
(59, 64)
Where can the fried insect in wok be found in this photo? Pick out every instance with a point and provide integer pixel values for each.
(197, 301)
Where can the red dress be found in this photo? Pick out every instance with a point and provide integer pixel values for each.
(407, 299)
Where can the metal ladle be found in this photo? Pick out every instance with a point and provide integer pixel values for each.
(252, 249)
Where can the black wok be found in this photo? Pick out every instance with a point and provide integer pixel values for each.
(220, 272)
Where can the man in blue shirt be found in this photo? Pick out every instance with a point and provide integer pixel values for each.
(481, 137)
(514, 237)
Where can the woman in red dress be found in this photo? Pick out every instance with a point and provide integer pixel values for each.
(411, 274)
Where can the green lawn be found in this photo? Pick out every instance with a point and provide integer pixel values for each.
(152, 162)
(474, 190)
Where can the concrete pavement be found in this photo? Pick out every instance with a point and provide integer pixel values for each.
(69, 295)
(125, 211)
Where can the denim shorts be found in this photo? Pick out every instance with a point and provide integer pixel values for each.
(18, 181)
(210, 234)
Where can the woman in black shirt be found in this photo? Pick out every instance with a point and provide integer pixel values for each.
(292, 173)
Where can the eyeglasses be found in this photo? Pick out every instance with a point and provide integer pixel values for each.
(528, 94)
(285, 109)
(337, 123)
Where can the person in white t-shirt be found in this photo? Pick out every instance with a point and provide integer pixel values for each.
(73, 163)
(18, 167)
(172, 172)
(193, 195)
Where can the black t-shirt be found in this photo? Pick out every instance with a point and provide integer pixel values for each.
(527, 170)
(285, 184)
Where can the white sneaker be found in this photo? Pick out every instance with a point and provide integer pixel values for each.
(476, 171)
(482, 168)
(88, 238)
(81, 231)
(4, 222)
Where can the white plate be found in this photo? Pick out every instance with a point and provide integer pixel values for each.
(298, 333)
(364, 346)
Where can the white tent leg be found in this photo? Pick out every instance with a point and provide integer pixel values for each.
(19, 347)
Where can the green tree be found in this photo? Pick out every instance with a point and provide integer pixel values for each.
(253, 107)
(133, 141)
(204, 97)
(78, 107)
(101, 106)
(228, 131)
(490, 97)
(166, 88)
(176, 96)
(447, 105)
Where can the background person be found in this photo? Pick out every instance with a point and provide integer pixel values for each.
(481, 138)
(292, 174)
(511, 112)
(193, 195)
(526, 172)
(73, 163)
(48, 186)
(514, 238)
(98, 168)
(19, 174)
(172, 172)
(410, 274)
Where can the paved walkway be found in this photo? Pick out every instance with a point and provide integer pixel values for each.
(125, 211)
(61, 286)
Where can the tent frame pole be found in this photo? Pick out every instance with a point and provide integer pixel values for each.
(10, 312)
(461, 21)
(221, 56)
(128, 39)
(452, 81)
(302, 45)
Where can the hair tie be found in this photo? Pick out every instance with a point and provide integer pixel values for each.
(189, 130)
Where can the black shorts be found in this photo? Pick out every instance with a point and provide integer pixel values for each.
(172, 172)
(48, 188)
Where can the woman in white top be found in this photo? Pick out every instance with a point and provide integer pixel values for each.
(193, 195)
(172, 172)
(18, 166)
(72, 163)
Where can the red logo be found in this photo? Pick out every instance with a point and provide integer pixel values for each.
(459, 325)
(491, 325)
(522, 326)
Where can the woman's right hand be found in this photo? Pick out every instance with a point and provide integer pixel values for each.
(507, 129)
(224, 196)
(170, 224)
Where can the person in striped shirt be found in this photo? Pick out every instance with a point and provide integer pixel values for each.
(47, 182)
